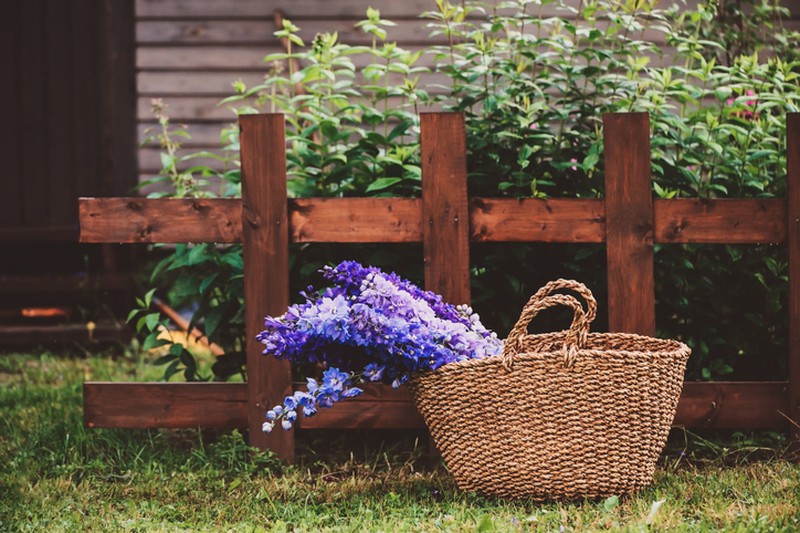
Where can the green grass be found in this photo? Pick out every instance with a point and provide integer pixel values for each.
(55, 475)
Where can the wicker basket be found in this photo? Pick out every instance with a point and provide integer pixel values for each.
(559, 415)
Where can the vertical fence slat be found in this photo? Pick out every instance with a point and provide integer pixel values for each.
(629, 223)
(265, 236)
(445, 211)
(793, 243)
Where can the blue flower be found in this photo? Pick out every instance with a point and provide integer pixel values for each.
(373, 372)
(290, 403)
(351, 392)
(286, 424)
(334, 380)
(368, 326)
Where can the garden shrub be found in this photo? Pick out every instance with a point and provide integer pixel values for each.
(533, 89)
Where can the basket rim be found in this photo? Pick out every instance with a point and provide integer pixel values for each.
(669, 348)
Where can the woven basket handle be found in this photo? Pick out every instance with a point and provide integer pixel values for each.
(544, 299)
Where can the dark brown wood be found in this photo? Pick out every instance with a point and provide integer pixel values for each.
(528, 219)
(366, 415)
(160, 220)
(164, 405)
(40, 234)
(33, 73)
(356, 220)
(61, 283)
(119, 98)
(265, 233)
(733, 405)
(793, 240)
(87, 134)
(11, 39)
(52, 334)
(723, 405)
(60, 190)
(717, 221)
(400, 220)
(445, 212)
(629, 223)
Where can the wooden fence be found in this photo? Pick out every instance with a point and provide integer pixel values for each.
(628, 220)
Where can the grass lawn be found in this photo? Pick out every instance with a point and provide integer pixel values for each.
(55, 475)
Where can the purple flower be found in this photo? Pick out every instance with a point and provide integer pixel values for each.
(351, 392)
(373, 372)
(369, 326)
(334, 380)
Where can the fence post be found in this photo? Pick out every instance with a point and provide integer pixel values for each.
(629, 223)
(445, 212)
(265, 237)
(793, 243)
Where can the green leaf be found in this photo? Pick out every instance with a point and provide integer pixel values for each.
(164, 359)
(382, 183)
(611, 503)
(151, 320)
(148, 297)
(176, 350)
(167, 161)
(213, 320)
(171, 370)
(152, 341)
(590, 161)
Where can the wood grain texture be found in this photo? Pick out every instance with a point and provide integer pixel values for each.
(793, 241)
(164, 405)
(733, 405)
(257, 8)
(715, 221)
(160, 220)
(366, 415)
(356, 220)
(629, 223)
(529, 219)
(400, 220)
(721, 405)
(260, 31)
(265, 234)
(445, 212)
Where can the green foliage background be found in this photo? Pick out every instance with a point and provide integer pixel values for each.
(533, 89)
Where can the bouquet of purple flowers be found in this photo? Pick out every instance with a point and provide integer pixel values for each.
(368, 326)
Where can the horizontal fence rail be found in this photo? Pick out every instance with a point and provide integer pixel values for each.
(629, 221)
(396, 220)
(725, 405)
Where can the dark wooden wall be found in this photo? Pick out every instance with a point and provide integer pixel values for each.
(68, 90)
(68, 87)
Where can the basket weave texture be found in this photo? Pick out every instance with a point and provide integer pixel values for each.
(561, 415)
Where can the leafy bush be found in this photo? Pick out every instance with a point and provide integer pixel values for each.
(533, 89)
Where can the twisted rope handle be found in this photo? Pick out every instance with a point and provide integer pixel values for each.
(543, 299)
